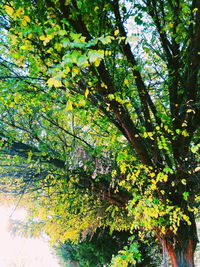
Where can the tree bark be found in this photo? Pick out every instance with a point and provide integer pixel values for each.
(181, 246)
(182, 256)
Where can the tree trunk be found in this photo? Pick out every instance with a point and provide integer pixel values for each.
(181, 246)
(182, 256)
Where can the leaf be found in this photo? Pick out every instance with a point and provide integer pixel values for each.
(116, 32)
(62, 32)
(82, 60)
(54, 82)
(106, 39)
(168, 170)
(69, 106)
(94, 55)
(46, 38)
(195, 10)
(191, 110)
(184, 124)
(97, 62)
(67, 70)
(183, 181)
(12, 104)
(25, 20)
(104, 85)
(153, 187)
(75, 71)
(111, 96)
(65, 42)
(156, 201)
(185, 195)
(75, 36)
(87, 92)
(197, 169)
(19, 12)
(194, 148)
(152, 174)
(9, 10)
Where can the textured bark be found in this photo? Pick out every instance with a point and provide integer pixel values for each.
(181, 247)
(182, 257)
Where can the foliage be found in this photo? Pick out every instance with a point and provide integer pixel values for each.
(98, 249)
(100, 105)
(95, 250)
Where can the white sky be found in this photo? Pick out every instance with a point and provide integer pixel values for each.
(22, 252)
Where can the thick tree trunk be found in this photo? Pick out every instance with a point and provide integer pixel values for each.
(182, 256)
(181, 246)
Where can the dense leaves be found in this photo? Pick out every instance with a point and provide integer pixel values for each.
(98, 250)
(99, 116)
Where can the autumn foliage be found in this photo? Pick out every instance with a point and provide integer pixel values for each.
(99, 117)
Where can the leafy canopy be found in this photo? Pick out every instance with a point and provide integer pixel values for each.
(99, 112)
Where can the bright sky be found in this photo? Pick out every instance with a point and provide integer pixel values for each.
(22, 252)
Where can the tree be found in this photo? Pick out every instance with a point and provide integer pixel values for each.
(98, 249)
(103, 97)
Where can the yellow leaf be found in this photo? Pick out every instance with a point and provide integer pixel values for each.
(42, 37)
(184, 124)
(97, 62)
(46, 39)
(184, 133)
(152, 174)
(86, 92)
(104, 85)
(190, 110)
(19, 12)
(57, 83)
(75, 70)
(111, 96)
(165, 177)
(195, 10)
(54, 82)
(25, 20)
(67, 69)
(81, 103)
(17, 98)
(116, 32)
(108, 53)
(183, 181)
(9, 10)
(69, 106)
(23, 47)
(121, 183)
(163, 230)
(125, 81)
(153, 186)
(12, 104)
